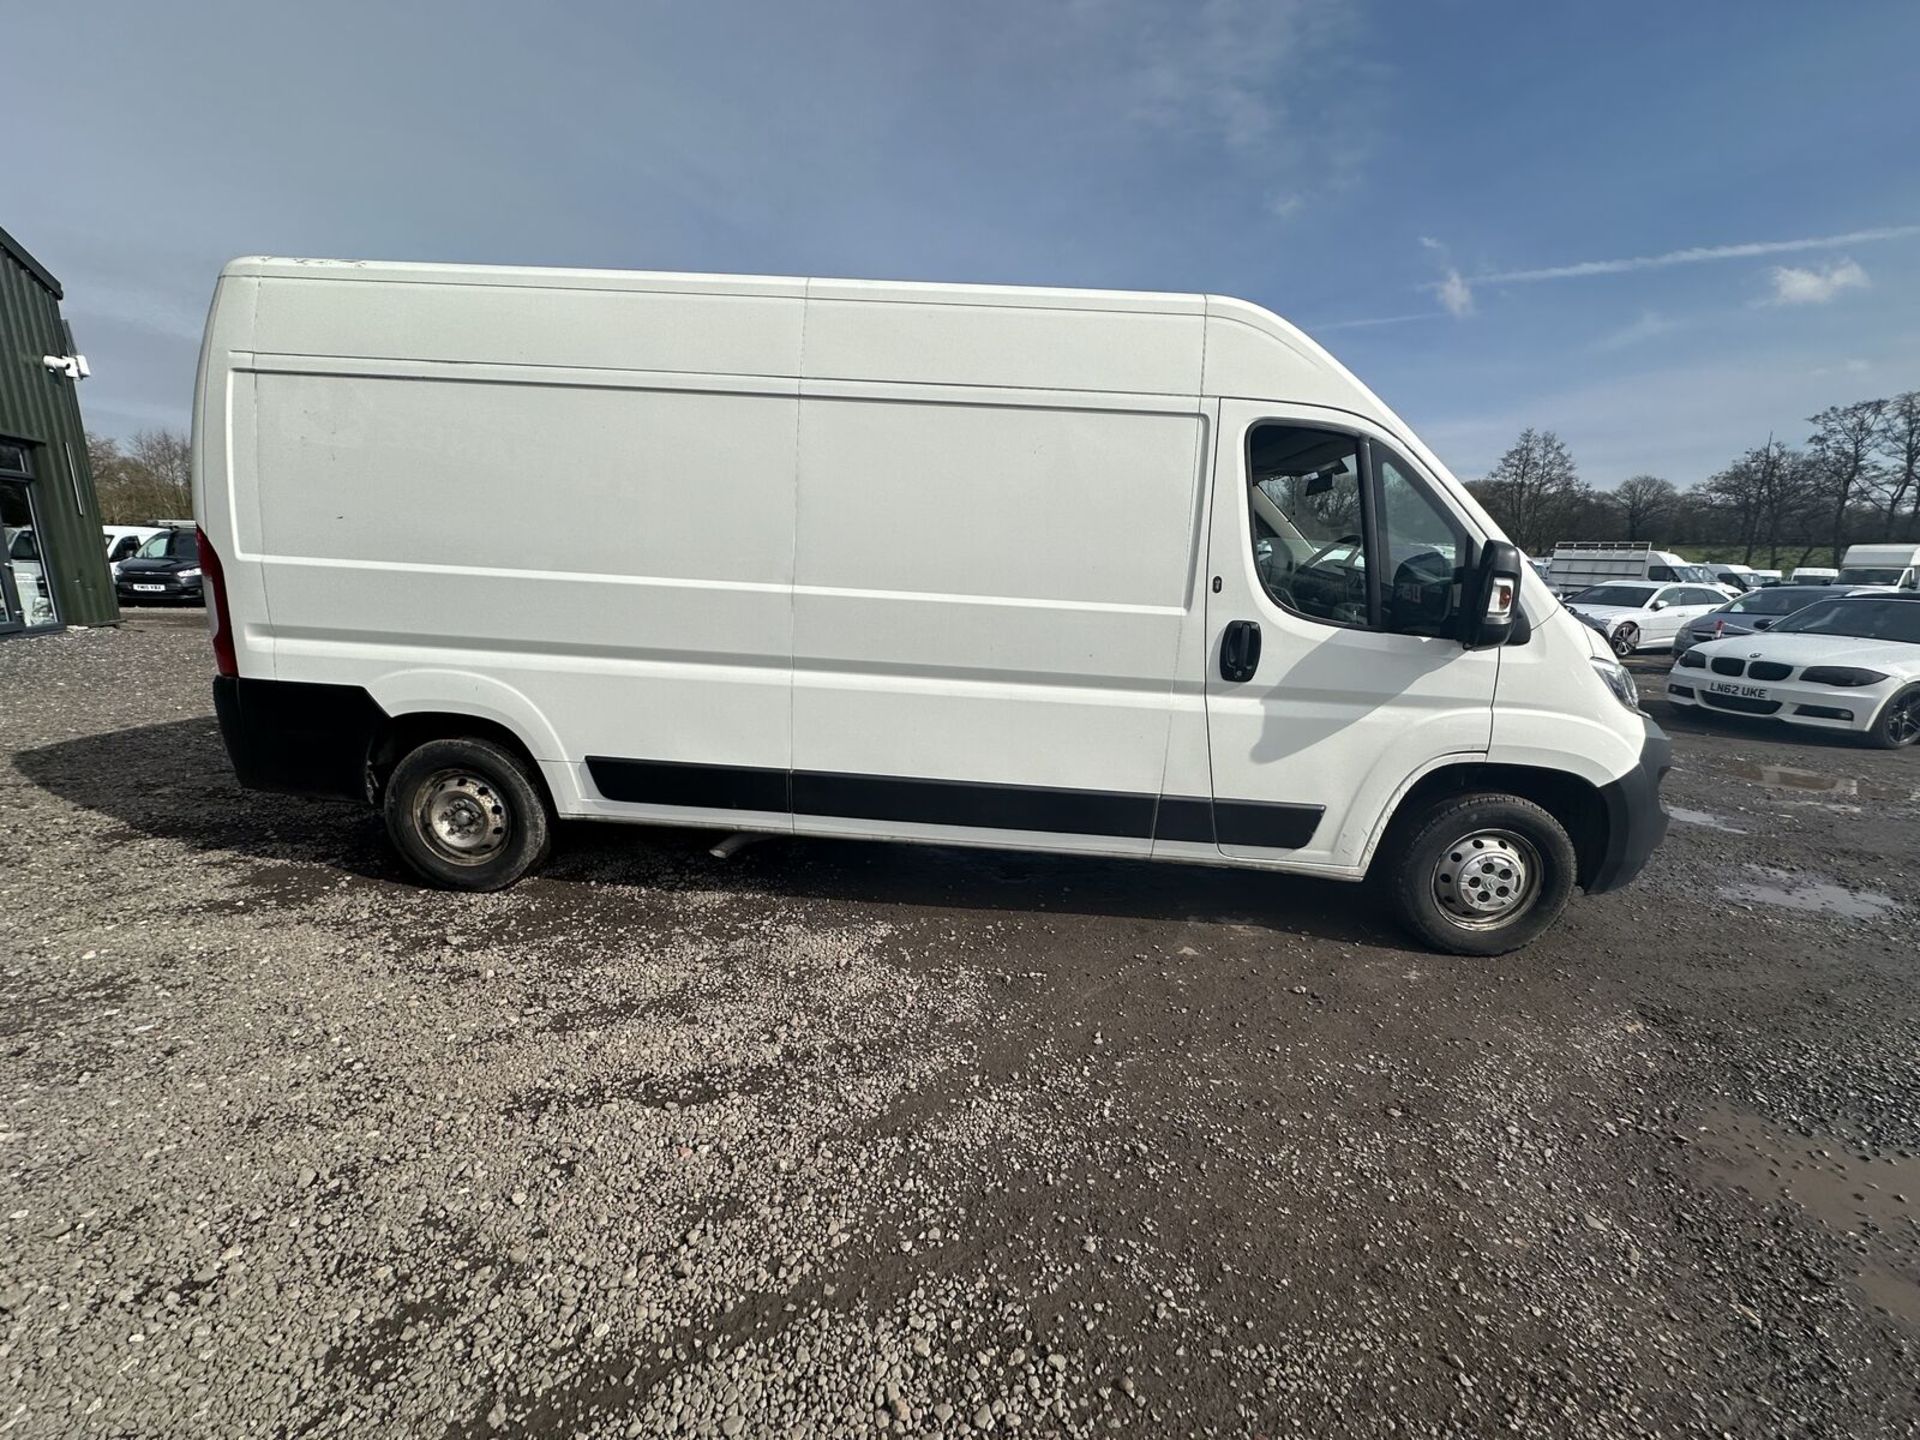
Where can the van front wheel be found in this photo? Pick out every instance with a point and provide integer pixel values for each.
(1480, 874)
(466, 814)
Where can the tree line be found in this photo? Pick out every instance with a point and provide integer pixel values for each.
(148, 478)
(1855, 479)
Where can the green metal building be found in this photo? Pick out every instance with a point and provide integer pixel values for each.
(53, 564)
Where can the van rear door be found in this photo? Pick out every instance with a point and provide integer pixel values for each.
(1333, 675)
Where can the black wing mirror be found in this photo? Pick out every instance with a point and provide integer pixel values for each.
(1493, 597)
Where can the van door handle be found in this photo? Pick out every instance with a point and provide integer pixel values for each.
(1240, 651)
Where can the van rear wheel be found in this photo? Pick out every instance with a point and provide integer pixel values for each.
(1480, 874)
(467, 815)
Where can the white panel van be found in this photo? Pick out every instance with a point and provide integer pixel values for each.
(1124, 574)
(1895, 565)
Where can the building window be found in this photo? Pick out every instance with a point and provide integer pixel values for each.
(26, 589)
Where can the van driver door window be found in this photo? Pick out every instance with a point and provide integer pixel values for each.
(1304, 506)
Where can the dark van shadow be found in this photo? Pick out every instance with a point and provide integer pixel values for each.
(173, 781)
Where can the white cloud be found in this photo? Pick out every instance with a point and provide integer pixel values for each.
(1455, 294)
(1372, 320)
(1793, 285)
(1698, 255)
(1227, 70)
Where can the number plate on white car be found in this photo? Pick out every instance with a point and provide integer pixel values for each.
(1745, 692)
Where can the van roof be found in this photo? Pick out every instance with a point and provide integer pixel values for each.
(699, 283)
(1882, 554)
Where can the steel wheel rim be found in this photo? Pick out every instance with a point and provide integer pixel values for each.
(1487, 879)
(464, 817)
(1625, 638)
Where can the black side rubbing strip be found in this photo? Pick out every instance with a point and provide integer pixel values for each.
(668, 782)
(963, 802)
(954, 802)
(1256, 822)
(1182, 818)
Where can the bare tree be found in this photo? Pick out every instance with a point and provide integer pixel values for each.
(1740, 491)
(1531, 487)
(149, 480)
(1845, 445)
(1644, 504)
(167, 459)
(1900, 450)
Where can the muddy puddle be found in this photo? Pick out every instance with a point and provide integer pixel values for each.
(1764, 885)
(1871, 1203)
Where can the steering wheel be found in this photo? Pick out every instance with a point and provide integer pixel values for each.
(1332, 545)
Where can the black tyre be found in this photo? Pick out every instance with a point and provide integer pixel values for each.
(467, 814)
(1898, 723)
(1625, 640)
(1479, 874)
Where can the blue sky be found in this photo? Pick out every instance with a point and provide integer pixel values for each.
(1420, 185)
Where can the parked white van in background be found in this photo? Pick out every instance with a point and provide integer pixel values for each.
(1894, 565)
(1814, 575)
(1581, 564)
(1127, 574)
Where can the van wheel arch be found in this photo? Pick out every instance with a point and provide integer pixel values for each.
(404, 733)
(1576, 803)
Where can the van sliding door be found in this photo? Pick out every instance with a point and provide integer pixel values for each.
(988, 602)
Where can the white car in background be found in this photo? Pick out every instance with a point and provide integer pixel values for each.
(1643, 614)
(1851, 663)
(124, 541)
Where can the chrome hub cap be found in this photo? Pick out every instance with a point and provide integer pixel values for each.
(1486, 879)
(463, 816)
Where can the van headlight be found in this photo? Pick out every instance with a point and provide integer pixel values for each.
(186, 575)
(1618, 681)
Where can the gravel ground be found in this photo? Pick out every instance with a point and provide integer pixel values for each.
(841, 1139)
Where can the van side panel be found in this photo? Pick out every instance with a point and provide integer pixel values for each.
(598, 558)
(989, 591)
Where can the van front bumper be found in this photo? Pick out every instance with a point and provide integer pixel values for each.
(1636, 820)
